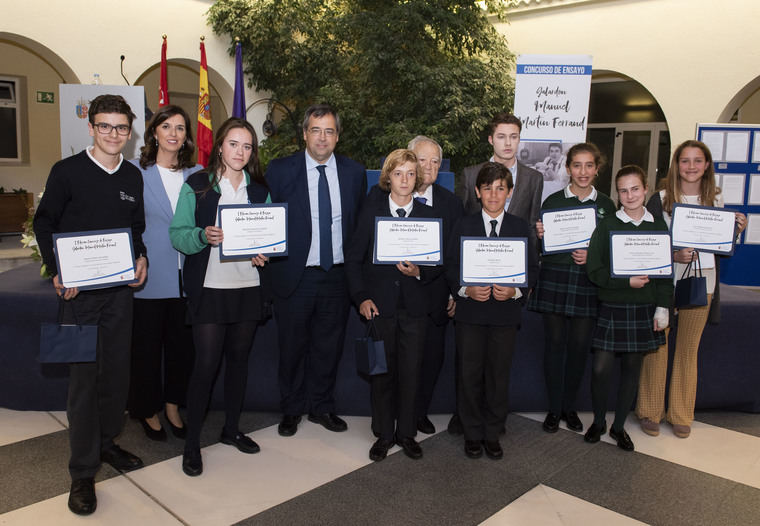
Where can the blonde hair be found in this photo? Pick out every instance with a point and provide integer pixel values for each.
(395, 159)
(672, 183)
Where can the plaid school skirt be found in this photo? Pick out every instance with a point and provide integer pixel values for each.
(624, 327)
(566, 290)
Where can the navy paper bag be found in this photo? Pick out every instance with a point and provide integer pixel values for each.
(691, 291)
(370, 353)
(67, 342)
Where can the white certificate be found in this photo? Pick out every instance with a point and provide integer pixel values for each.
(95, 259)
(494, 260)
(410, 239)
(641, 254)
(250, 230)
(568, 229)
(705, 228)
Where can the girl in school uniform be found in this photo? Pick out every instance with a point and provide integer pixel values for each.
(633, 311)
(690, 180)
(565, 296)
(225, 299)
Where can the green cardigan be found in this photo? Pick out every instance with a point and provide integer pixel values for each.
(659, 291)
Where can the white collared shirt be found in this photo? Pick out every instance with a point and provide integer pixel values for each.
(108, 171)
(236, 274)
(427, 194)
(625, 218)
(312, 175)
(395, 206)
(590, 197)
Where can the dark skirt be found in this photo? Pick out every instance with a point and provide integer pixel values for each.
(566, 290)
(624, 327)
(226, 306)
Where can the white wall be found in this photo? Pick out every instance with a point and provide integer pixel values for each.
(694, 56)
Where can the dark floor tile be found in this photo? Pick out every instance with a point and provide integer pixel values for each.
(748, 423)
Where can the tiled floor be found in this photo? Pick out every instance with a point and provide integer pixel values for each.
(319, 477)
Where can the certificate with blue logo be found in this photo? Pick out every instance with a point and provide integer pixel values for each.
(412, 239)
(493, 260)
(568, 229)
(95, 259)
(705, 228)
(250, 230)
(641, 254)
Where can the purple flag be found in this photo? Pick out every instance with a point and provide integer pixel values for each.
(238, 101)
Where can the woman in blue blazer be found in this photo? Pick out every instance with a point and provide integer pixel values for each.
(162, 344)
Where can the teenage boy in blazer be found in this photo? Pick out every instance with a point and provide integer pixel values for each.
(487, 319)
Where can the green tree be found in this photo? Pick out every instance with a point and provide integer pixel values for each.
(393, 69)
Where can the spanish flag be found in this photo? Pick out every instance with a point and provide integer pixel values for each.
(163, 87)
(204, 137)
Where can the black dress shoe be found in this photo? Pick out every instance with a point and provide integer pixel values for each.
(595, 432)
(179, 432)
(159, 435)
(424, 425)
(473, 448)
(493, 449)
(573, 422)
(192, 463)
(288, 425)
(551, 423)
(410, 446)
(82, 500)
(329, 421)
(455, 425)
(120, 459)
(624, 442)
(379, 449)
(240, 441)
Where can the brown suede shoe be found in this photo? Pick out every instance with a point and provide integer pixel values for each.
(681, 431)
(650, 427)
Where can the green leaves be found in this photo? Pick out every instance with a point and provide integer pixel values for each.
(393, 69)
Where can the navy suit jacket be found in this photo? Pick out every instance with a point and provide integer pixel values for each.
(288, 183)
(490, 312)
(447, 206)
(163, 277)
(384, 284)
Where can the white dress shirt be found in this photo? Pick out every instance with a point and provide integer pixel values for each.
(312, 174)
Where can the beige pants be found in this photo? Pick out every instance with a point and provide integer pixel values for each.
(683, 379)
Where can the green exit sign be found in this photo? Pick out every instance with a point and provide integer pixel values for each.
(46, 97)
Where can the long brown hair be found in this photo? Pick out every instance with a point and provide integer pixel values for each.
(149, 151)
(215, 164)
(672, 183)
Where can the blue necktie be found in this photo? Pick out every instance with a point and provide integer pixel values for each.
(325, 221)
(493, 233)
(401, 212)
(422, 200)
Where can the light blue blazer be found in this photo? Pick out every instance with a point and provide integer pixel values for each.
(163, 277)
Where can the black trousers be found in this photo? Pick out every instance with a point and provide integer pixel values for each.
(568, 343)
(484, 353)
(98, 391)
(162, 355)
(311, 325)
(394, 393)
(432, 362)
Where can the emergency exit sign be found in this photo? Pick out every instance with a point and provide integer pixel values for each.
(46, 97)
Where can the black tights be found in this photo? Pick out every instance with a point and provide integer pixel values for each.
(601, 376)
(568, 341)
(212, 340)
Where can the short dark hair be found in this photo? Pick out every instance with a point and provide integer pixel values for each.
(149, 151)
(555, 145)
(110, 104)
(320, 110)
(503, 118)
(491, 172)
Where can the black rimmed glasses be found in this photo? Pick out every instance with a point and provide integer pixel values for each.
(105, 128)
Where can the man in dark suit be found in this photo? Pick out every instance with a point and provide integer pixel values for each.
(323, 192)
(449, 208)
(529, 183)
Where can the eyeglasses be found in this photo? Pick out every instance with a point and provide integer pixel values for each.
(105, 128)
(329, 132)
